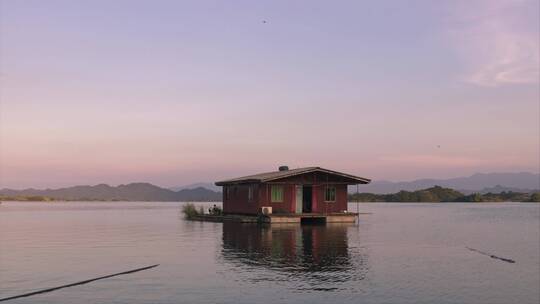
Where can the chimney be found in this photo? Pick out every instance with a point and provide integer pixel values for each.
(283, 168)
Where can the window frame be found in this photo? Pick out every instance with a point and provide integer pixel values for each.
(327, 196)
(277, 198)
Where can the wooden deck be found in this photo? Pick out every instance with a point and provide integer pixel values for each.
(289, 218)
(348, 217)
(227, 218)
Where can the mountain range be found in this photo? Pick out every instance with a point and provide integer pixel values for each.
(525, 182)
(209, 186)
(129, 192)
(478, 183)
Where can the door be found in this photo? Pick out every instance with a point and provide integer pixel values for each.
(299, 198)
(306, 197)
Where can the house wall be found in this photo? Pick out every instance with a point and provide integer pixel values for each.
(289, 198)
(339, 205)
(237, 201)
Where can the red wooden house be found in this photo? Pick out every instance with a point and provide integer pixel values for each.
(310, 190)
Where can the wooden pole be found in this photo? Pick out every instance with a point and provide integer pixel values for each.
(357, 204)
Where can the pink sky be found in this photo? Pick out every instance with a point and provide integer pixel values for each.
(179, 92)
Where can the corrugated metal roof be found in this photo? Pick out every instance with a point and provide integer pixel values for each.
(274, 175)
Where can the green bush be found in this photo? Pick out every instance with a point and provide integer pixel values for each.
(190, 211)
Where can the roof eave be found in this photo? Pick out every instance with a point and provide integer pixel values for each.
(244, 181)
(361, 180)
(356, 179)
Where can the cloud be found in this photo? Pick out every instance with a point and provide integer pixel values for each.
(498, 41)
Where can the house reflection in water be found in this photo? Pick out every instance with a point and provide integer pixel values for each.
(316, 257)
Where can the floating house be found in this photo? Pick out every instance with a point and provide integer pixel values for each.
(291, 195)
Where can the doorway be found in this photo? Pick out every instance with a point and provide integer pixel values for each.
(299, 202)
(307, 192)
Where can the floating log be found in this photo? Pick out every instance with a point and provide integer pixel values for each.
(491, 255)
(77, 283)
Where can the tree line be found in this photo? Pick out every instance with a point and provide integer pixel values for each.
(440, 194)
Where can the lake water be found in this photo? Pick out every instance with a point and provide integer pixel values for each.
(400, 253)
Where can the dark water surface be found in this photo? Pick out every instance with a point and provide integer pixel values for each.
(401, 253)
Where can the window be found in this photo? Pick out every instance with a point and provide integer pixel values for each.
(330, 194)
(277, 194)
(250, 193)
(226, 192)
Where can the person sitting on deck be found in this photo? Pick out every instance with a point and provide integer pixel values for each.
(215, 210)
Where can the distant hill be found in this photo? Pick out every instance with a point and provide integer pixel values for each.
(523, 181)
(440, 194)
(129, 192)
(199, 194)
(209, 186)
(478, 183)
(481, 183)
(500, 189)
